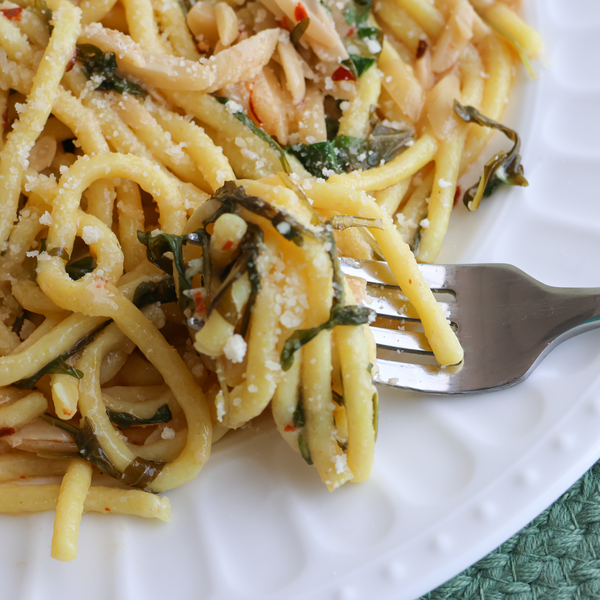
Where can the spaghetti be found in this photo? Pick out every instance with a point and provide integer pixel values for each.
(178, 181)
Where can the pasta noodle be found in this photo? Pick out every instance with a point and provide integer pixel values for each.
(177, 182)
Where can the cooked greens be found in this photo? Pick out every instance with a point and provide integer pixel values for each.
(126, 420)
(261, 133)
(41, 8)
(146, 293)
(340, 314)
(158, 244)
(140, 473)
(501, 168)
(346, 153)
(299, 30)
(304, 451)
(101, 68)
(367, 38)
(58, 366)
(78, 268)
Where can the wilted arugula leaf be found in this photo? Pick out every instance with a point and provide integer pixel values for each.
(299, 30)
(56, 367)
(59, 366)
(126, 420)
(41, 8)
(231, 196)
(140, 473)
(338, 315)
(158, 245)
(362, 35)
(149, 292)
(298, 417)
(501, 168)
(186, 5)
(77, 269)
(261, 133)
(146, 293)
(247, 262)
(346, 153)
(304, 451)
(362, 63)
(98, 64)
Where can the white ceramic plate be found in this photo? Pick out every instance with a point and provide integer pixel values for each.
(453, 478)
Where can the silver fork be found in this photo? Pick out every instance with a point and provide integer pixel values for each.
(505, 320)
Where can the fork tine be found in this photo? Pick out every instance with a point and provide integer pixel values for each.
(393, 339)
(402, 310)
(431, 379)
(438, 277)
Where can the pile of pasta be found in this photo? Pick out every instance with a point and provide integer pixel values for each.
(177, 181)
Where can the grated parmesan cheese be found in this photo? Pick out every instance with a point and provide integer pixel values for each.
(46, 219)
(235, 348)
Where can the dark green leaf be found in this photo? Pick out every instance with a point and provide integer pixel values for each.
(140, 473)
(298, 418)
(231, 196)
(149, 292)
(299, 30)
(362, 63)
(304, 451)
(261, 133)
(77, 269)
(126, 420)
(41, 8)
(369, 33)
(340, 315)
(350, 15)
(501, 168)
(103, 65)
(333, 126)
(250, 248)
(161, 243)
(319, 159)
(338, 398)
(345, 153)
(58, 366)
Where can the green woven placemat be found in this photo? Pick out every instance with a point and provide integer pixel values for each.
(556, 557)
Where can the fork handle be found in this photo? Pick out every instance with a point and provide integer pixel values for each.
(578, 311)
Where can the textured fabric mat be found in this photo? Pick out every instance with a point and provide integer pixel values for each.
(556, 557)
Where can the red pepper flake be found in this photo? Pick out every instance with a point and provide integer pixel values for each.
(285, 23)
(107, 509)
(351, 31)
(12, 14)
(72, 62)
(410, 281)
(421, 48)
(4, 431)
(343, 74)
(227, 245)
(457, 195)
(23, 477)
(200, 304)
(289, 428)
(300, 12)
